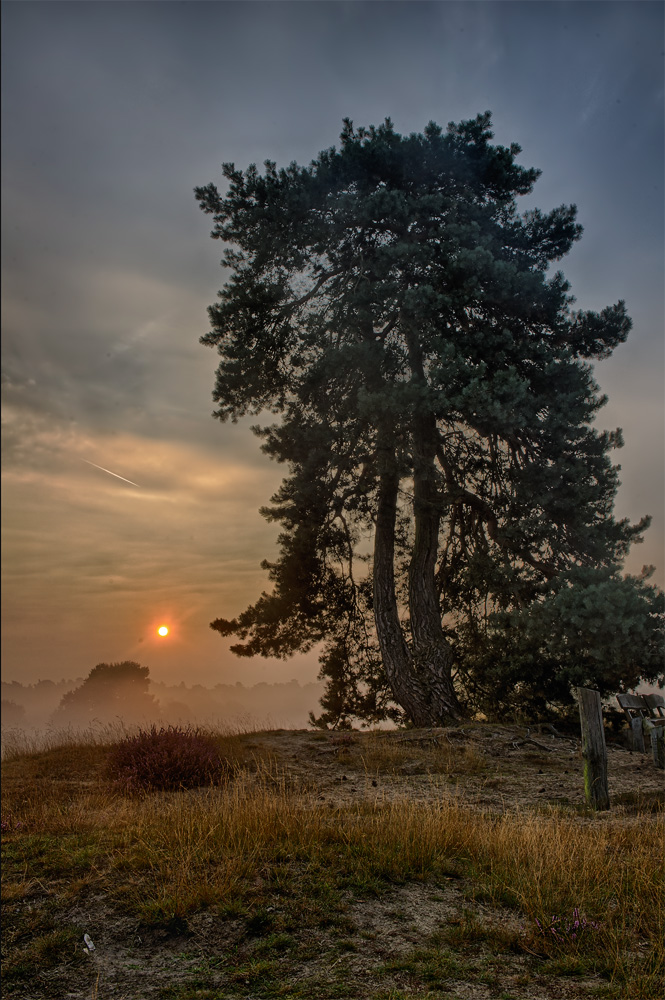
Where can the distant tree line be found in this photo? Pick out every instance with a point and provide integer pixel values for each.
(125, 692)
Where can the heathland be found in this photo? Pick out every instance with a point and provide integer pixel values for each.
(373, 865)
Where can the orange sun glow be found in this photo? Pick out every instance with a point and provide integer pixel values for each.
(162, 630)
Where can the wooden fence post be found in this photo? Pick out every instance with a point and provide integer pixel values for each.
(594, 750)
(657, 735)
(636, 726)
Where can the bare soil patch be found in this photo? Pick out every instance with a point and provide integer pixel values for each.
(490, 767)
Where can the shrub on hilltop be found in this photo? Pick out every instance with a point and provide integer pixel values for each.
(166, 759)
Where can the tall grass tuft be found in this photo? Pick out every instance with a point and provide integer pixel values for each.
(17, 742)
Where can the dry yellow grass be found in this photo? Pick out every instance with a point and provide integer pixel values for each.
(384, 752)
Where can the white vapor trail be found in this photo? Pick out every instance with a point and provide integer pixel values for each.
(101, 467)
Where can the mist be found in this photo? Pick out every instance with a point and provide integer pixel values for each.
(38, 709)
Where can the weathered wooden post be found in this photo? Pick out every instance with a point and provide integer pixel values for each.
(657, 737)
(638, 733)
(594, 750)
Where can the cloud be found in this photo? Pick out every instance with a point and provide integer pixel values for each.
(99, 560)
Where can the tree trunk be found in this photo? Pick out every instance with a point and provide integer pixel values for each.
(431, 651)
(407, 688)
(420, 693)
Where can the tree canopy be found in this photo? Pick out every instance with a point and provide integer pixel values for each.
(110, 691)
(390, 305)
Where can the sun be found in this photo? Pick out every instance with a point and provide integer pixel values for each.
(162, 630)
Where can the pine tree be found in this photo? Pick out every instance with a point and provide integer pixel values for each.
(391, 306)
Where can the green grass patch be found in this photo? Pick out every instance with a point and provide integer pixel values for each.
(432, 966)
(36, 942)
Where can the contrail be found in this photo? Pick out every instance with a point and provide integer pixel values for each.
(101, 467)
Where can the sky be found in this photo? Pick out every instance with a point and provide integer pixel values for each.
(111, 114)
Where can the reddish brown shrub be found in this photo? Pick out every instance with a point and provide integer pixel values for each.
(166, 759)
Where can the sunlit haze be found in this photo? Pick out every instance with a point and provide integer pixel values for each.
(128, 510)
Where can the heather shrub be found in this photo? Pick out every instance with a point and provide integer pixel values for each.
(166, 759)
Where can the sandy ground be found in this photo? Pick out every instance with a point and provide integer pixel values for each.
(500, 767)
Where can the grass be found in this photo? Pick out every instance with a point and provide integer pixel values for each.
(20, 743)
(382, 752)
(286, 883)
